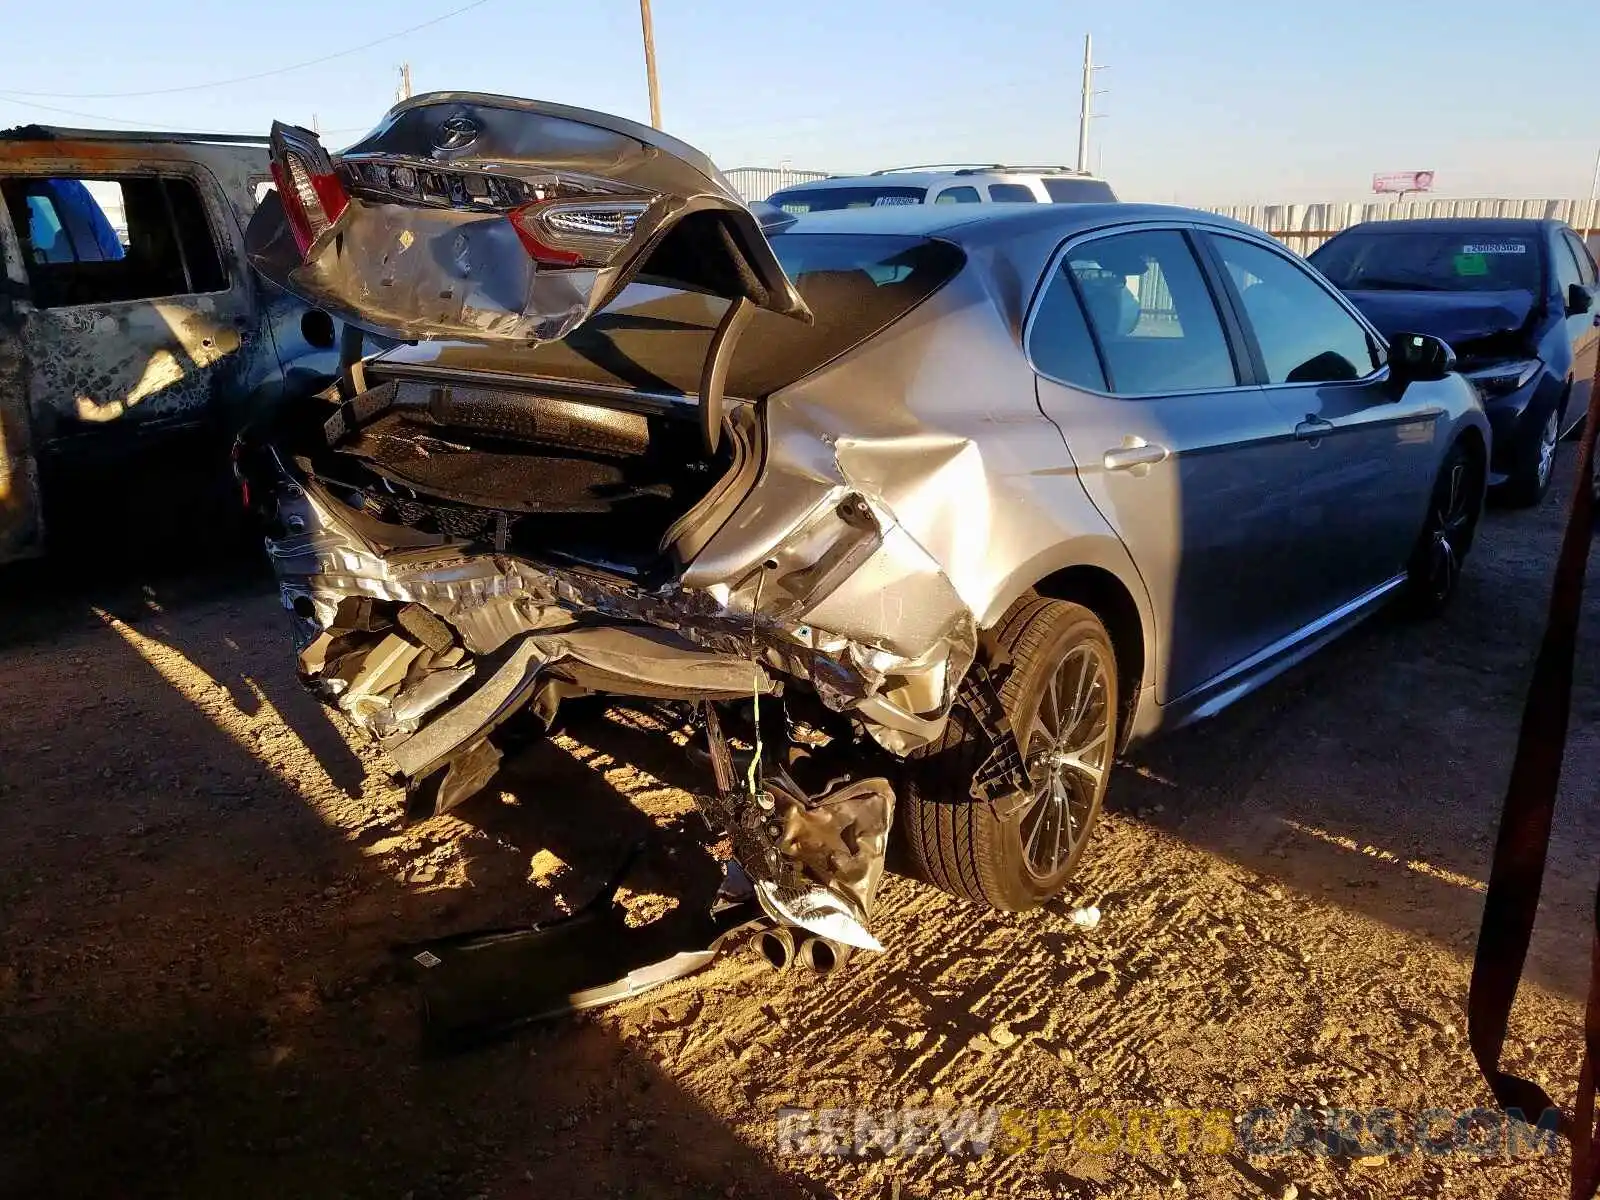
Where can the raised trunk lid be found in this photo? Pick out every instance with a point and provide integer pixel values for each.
(497, 219)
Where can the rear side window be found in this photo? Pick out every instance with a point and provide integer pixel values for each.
(103, 241)
(1079, 191)
(958, 195)
(1012, 193)
(828, 199)
(1152, 314)
(1305, 335)
(1059, 339)
(656, 338)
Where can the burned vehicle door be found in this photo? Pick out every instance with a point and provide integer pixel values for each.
(136, 305)
(20, 529)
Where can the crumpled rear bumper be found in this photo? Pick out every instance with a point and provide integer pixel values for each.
(430, 647)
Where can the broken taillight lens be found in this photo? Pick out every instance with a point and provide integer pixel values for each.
(572, 233)
(313, 197)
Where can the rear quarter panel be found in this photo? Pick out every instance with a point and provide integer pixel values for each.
(937, 419)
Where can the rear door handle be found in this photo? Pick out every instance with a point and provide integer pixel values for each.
(1312, 429)
(1139, 453)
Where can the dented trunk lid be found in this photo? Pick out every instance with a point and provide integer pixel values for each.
(495, 219)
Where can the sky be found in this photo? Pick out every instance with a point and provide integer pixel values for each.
(1235, 101)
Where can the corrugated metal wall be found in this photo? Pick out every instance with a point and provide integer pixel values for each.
(757, 183)
(1304, 227)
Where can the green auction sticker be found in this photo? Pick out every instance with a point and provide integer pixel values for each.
(1471, 264)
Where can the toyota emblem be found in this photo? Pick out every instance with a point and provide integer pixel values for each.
(457, 133)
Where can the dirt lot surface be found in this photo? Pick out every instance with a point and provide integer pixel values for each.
(202, 874)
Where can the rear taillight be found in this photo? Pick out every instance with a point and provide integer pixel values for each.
(572, 233)
(313, 197)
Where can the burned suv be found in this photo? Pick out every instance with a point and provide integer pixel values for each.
(921, 508)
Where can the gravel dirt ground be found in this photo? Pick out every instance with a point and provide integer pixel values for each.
(202, 873)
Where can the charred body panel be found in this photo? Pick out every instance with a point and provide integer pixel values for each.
(100, 360)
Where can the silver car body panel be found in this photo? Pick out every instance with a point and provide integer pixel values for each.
(912, 489)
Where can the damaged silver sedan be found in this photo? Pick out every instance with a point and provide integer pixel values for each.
(917, 514)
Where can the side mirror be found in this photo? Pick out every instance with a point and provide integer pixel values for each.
(1418, 357)
(1579, 300)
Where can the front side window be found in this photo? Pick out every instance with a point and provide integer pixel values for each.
(1152, 314)
(958, 195)
(1305, 335)
(1012, 193)
(103, 241)
(1564, 264)
(1586, 268)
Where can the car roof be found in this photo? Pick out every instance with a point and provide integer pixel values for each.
(1523, 225)
(932, 178)
(971, 224)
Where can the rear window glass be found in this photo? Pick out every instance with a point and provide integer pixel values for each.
(1012, 193)
(1432, 261)
(1079, 191)
(828, 199)
(655, 338)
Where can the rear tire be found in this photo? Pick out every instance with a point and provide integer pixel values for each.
(1447, 532)
(1061, 698)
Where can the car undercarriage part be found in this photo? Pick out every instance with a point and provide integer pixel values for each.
(479, 986)
(817, 856)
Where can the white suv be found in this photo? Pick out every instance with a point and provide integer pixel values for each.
(945, 183)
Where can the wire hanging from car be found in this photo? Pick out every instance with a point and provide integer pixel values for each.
(752, 776)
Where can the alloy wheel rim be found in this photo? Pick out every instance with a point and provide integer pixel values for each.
(1068, 753)
(1452, 518)
(1547, 448)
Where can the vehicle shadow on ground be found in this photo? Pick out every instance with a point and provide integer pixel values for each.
(1373, 775)
(145, 576)
(197, 989)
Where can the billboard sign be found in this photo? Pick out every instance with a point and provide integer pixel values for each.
(1403, 181)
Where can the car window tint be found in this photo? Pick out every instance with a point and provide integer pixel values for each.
(959, 195)
(1012, 193)
(1059, 339)
(1586, 267)
(1079, 191)
(1152, 313)
(1565, 265)
(1305, 334)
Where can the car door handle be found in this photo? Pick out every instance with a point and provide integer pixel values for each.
(1312, 428)
(1139, 454)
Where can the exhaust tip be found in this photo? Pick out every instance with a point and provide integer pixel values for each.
(777, 947)
(822, 955)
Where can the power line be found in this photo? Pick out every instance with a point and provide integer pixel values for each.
(157, 126)
(196, 87)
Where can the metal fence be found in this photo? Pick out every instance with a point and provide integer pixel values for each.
(757, 183)
(1304, 227)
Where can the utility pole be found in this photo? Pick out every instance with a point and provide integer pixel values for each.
(1086, 111)
(650, 62)
(404, 91)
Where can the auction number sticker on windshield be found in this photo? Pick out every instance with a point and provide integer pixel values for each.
(885, 201)
(1496, 248)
